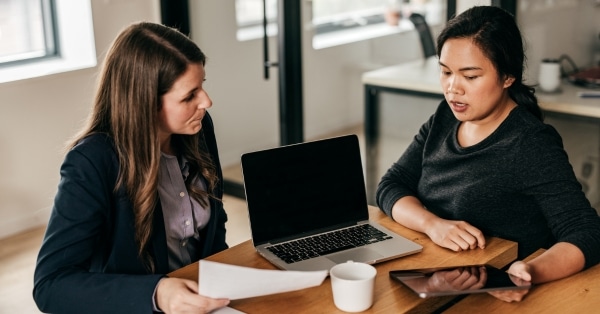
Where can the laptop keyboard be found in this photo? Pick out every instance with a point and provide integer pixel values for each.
(323, 244)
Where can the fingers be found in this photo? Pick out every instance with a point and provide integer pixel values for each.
(174, 295)
(214, 304)
(191, 285)
(465, 241)
(471, 237)
(477, 235)
(520, 274)
(455, 235)
(520, 270)
(460, 236)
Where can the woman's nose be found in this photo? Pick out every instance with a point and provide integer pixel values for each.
(205, 101)
(452, 87)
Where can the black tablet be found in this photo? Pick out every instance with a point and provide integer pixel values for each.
(433, 282)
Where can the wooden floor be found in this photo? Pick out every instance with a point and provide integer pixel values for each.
(17, 262)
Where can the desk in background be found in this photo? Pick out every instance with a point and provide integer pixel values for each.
(421, 78)
(390, 297)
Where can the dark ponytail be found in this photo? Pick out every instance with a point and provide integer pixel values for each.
(524, 96)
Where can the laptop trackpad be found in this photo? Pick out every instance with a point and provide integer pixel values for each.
(363, 255)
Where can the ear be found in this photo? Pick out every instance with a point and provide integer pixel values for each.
(508, 81)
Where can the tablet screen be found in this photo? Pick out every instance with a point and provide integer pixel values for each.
(457, 280)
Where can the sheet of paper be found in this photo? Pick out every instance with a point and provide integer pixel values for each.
(219, 280)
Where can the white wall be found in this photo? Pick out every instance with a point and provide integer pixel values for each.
(37, 116)
(553, 28)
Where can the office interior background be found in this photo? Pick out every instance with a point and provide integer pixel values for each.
(39, 114)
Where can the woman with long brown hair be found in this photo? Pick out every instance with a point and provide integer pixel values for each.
(141, 186)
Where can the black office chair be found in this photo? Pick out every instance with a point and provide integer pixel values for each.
(424, 34)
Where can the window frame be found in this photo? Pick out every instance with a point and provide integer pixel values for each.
(344, 29)
(49, 34)
(73, 45)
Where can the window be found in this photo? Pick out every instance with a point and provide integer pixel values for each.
(26, 30)
(250, 12)
(42, 37)
(249, 17)
(336, 22)
(331, 16)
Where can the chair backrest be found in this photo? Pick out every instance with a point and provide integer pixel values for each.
(424, 34)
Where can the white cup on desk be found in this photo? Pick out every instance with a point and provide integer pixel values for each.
(549, 76)
(353, 286)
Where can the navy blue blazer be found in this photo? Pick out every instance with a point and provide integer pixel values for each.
(88, 261)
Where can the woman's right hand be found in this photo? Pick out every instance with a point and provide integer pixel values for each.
(175, 295)
(520, 274)
(455, 235)
(452, 234)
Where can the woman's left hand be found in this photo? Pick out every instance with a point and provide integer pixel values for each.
(176, 295)
(520, 274)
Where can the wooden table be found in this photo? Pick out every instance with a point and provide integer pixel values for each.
(579, 293)
(390, 297)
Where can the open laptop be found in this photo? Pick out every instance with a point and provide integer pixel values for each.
(298, 194)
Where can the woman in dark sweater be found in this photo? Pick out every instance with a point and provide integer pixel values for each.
(485, 164)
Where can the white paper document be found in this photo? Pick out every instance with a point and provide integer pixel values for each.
(219, 280)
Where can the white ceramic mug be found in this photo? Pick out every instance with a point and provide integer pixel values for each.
(353, 285)
(549, 76)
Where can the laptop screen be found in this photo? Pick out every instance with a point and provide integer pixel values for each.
(301, 189)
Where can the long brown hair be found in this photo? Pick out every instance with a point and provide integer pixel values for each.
(142, 64)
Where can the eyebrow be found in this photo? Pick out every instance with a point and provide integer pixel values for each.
(471, 68)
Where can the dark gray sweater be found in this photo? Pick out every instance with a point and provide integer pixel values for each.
(516, 184)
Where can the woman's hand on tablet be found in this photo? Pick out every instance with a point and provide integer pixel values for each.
(520, 274)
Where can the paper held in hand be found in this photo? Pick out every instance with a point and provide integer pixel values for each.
(217, 280)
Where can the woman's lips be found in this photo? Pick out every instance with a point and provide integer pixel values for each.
(458, 107)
